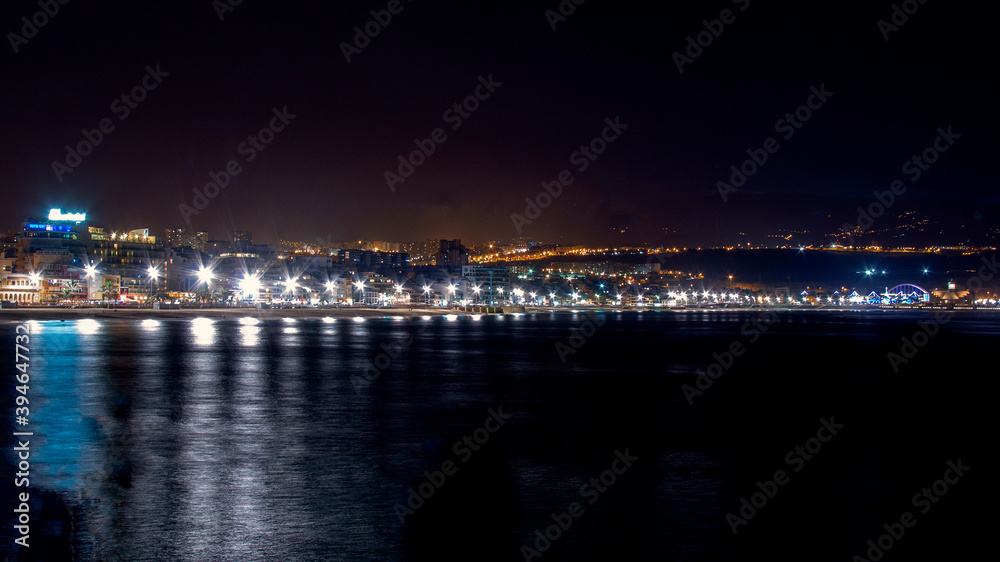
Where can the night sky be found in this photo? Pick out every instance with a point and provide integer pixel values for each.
(323, 175)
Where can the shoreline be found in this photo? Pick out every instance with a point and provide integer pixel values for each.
(57, 313)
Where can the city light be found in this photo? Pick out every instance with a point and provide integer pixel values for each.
(250, 285)
(35, 278)
(58, 215)
(154, 273)
(204, 275)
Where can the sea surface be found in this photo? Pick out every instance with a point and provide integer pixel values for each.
(214, 439)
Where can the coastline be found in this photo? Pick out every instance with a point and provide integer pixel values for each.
(58, 313)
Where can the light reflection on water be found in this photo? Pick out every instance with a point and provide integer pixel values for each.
(238, 440)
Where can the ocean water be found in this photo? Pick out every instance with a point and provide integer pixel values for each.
(313, 440)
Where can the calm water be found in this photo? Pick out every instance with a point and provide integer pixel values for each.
(184, 440)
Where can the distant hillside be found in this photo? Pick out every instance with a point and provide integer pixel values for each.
(798, 219)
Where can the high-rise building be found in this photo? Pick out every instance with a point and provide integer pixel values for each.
(178, 237)
(242, 240)
(452, 253)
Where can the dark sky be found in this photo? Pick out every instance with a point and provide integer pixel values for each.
(322, 177)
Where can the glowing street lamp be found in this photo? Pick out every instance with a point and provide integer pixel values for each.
(361, 287)
(154, 274)
(204, 275)
(427, 294)
(250, 285)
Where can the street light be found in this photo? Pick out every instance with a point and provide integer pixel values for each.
(154, 274)
(251, 285)
(427, 294)
(36, 281)
(361, 287)
(204, 275)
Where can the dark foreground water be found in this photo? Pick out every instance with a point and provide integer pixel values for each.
(301, 440)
